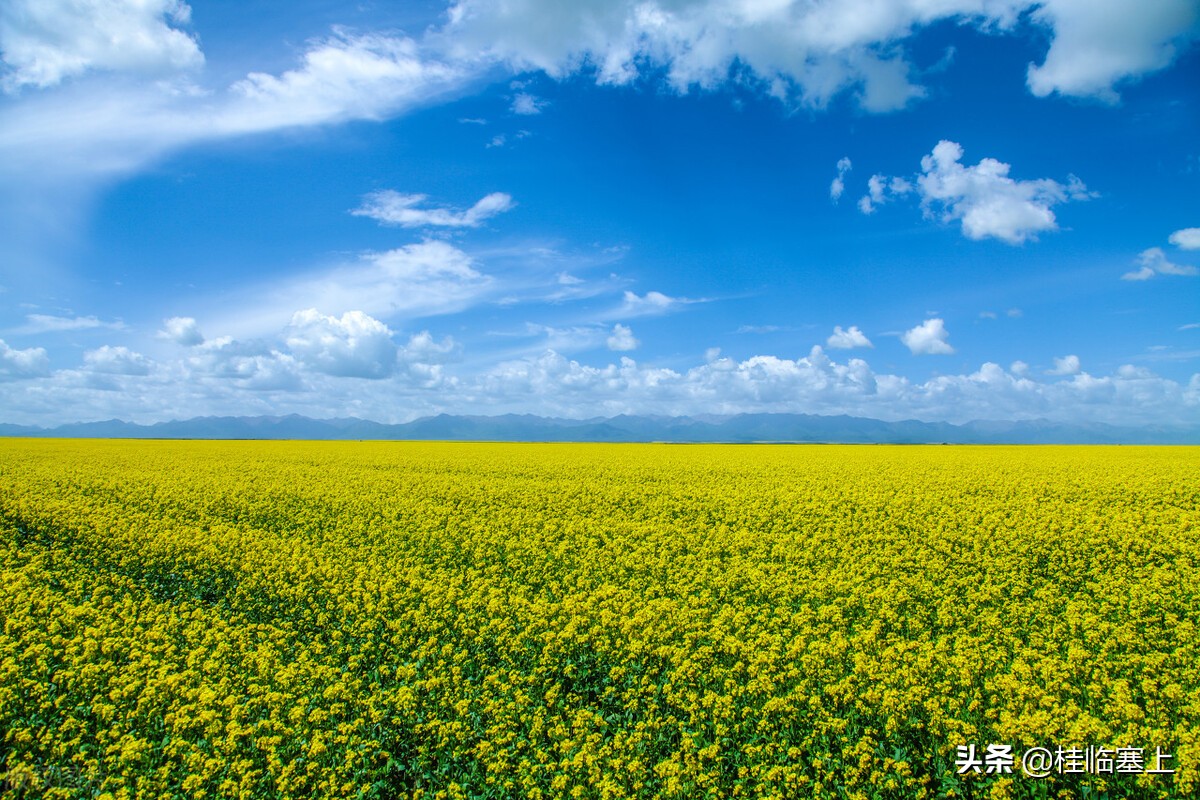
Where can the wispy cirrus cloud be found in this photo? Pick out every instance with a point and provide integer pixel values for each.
(405, 210)
(50, 323)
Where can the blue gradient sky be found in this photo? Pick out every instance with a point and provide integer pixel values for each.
(897, 209)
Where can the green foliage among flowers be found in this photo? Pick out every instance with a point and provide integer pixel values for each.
(433, 620)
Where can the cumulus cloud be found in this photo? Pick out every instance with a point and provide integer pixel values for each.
(1154, 261)
(880, 189)
(226, 376)
(44, 42)
(633, 305)
(423, 348)
(1099, 43)
(252, 365)
(181, 330)
(817, 384)
(1067, 365)
(394, 208)
(355, 345)
(807, 51)
(803, 53)
(16, 364)
(621, 339)
(527, 104)
(928, 338)
(108, 360)
(986, 201)
(1186, 239)
(318, 352)
(838, 185)
(847, 339)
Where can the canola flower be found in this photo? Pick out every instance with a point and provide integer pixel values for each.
(436, 620)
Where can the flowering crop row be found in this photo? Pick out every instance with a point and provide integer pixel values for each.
(262, 620)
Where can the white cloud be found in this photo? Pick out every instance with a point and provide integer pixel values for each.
(1186, 239)
(561, 339)
(1154, 261)
(181, 330)
(1067, 365)
(1142, 274)
(225, 376)
(526, 104)
(16, 364)
(47, 323)
(1157, 260)
(44, 42)
(928, 338)
(109, 360)
(622, 339)
(838, 185)
(555, 385)
(422, 279)
(347, 76)
(394, 208)
(103, 127)
(1099, 43)
(847, 339)
(353, 346)
(423, 348)
(808, 51)
(759, 328)
(878, 188)
(801, 52)
(248, 365)
(1191, 326)
(633, 305)
(986, 201)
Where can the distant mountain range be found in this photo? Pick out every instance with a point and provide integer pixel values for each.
(528, 428)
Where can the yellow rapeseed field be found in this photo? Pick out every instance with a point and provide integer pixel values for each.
(433, 620)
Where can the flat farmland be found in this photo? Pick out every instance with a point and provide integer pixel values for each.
(470, 620)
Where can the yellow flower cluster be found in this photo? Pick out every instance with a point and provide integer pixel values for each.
(433, 620)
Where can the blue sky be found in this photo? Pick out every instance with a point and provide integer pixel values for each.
(931, 209)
